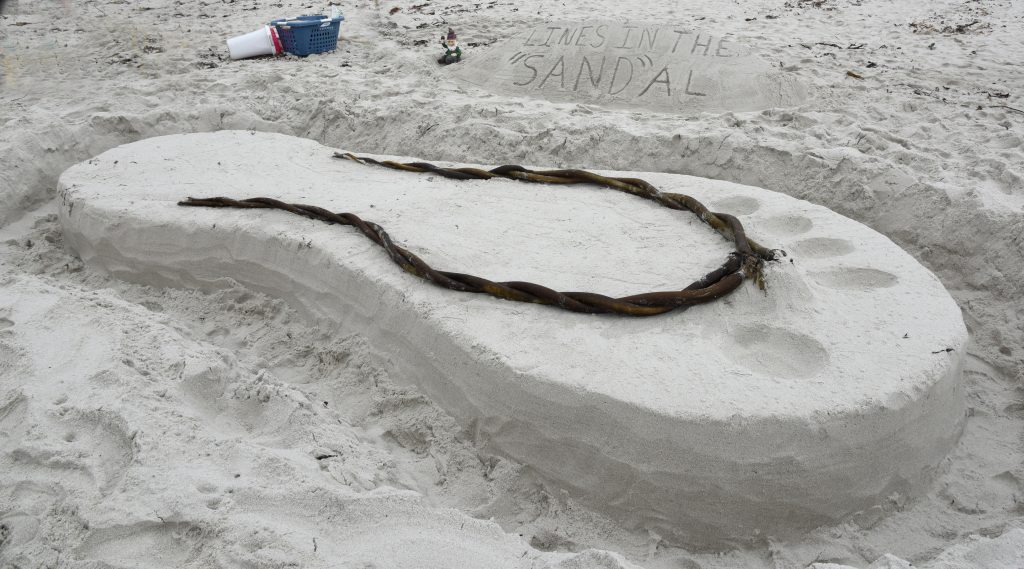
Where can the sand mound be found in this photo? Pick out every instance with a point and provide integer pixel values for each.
(760, 414)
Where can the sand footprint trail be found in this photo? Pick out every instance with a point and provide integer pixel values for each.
(78, 448)
(134, 472)
(819, 386)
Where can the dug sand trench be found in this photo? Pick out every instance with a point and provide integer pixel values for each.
(762, 414)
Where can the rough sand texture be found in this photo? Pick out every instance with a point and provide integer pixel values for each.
(926, 149)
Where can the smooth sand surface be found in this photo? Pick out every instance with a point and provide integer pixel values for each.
(766, 412)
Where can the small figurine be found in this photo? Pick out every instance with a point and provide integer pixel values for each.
(452, 51)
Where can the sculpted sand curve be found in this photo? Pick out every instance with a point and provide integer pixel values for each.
(750, 416)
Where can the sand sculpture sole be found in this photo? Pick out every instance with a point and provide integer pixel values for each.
(762, 415)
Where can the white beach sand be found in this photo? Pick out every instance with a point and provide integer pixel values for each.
(153, 427)
(764, 413)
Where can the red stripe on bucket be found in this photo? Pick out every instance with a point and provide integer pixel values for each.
(278, 48)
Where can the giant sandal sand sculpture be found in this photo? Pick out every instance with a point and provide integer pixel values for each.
(763, 414)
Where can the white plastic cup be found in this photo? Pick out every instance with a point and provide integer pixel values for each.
(263, 41)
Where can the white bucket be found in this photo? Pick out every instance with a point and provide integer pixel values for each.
(263, 41)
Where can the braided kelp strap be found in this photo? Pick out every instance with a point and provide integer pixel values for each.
(745, 262)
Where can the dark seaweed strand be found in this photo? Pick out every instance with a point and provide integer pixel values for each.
(744, 262)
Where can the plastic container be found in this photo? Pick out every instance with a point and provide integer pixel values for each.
(304, 35)
(264, 41)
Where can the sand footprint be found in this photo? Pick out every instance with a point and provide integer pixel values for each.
(83, 450)
(13, 361)
(146, 544)
(17, 529)
(98, 440)
(28, 497)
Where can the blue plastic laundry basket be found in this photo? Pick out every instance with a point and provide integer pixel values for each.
(304, 35)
